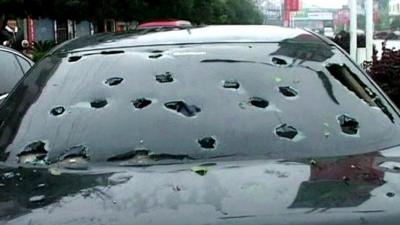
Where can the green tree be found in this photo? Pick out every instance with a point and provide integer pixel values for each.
(384, 19)
(198, 11)
(395, 24)
(361, 22)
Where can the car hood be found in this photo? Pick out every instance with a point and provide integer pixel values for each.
(357, 189)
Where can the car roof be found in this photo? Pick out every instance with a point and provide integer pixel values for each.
(193, 35)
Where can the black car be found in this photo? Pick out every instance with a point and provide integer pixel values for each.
(212, 125)
(13, 67)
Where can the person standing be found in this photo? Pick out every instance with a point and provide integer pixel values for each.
(11, 36)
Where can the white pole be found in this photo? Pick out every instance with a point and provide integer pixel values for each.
(369, 29)
(353, 28)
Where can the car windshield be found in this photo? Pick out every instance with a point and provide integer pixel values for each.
(288, 99)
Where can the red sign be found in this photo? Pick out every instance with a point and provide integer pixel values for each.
(31, 30)
(343, 16)
(292, 5)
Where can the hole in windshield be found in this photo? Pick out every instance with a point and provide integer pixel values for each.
(259, 102)
(57, 111)
(74, 58)
(165, 78)
(279, 61)
(76, 151)
(286, 131)
(141, 103)
(231, 84)
(352, 82)
(155, 56)
(113, 81)
(183, 108)
(97, 104)
(35, 153)
(288, 91)
(348, 79)
(348, 124)
(207, 143)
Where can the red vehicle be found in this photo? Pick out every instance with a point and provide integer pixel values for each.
(165, 23)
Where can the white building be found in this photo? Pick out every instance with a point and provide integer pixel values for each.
(272, 10)
(394, 8)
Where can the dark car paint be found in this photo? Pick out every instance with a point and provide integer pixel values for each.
(361, 189)
(158, 146)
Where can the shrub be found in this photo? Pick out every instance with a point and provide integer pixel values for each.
(386, 72)
(41, 48)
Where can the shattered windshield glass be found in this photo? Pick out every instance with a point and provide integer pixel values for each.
(174, 103)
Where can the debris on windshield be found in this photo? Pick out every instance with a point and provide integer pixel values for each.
(176, 188)
(37, 198)
(165, 78)
(200, 170)
(35, 153)
(258, 102)
(74, 58)
(348, 124)
(207, 142)
(141, 103)
(183, 108)
(288, 91)
(54, 171)
(57, 111)
(313, 162)
(278, 80)
(99, 103)
(327, 133)
(346, 180)
(74, 163)
(233, 84)
(113, 81)
(286, 131)
(41, 185)
(8, 175)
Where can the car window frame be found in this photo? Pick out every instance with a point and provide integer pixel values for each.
(17, 56)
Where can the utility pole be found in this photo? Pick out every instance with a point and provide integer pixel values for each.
(369, 29)
(353, 28)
